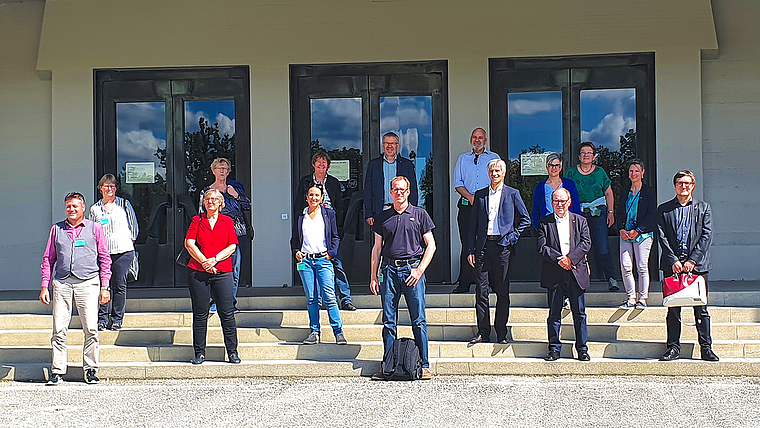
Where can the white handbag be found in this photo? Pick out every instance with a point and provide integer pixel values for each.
(684, 290)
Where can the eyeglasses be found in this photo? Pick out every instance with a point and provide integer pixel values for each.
(555, 165)
(109, 186)
(210, 199)
(222, 168)
(560, 201)
(394, 190)
(684, 183)
(385, 143)
(587, 153)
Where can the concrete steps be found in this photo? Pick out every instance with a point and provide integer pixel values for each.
(156, 341)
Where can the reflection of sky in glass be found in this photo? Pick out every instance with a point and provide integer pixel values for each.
(535, 118)
(411, 118)
(337, 122)
(217, 111)
(140, 131)
(606, 114)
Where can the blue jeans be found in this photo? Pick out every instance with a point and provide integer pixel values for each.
(393, 285)
(341, 280)
(597, 226)
(318, 278)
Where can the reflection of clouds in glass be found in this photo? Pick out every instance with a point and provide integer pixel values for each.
(617, 108)
(337, 122)
(226, 125)
(408, 117)
(136, 116)
(408, 141)
(526, 106)
(139, 146)
(608, 131)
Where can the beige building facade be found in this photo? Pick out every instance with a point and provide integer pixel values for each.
(706, 93)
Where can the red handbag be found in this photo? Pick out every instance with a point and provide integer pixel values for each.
(684, 290)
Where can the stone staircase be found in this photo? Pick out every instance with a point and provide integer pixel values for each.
(156, 341)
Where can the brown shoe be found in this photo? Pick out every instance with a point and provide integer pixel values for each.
(426, 375)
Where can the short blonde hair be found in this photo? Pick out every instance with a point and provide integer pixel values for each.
(217, 195)
(401, 178)
(217, 161)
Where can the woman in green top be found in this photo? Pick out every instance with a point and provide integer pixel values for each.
(598, 207)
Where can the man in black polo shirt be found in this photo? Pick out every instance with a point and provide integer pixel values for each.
(399, 233)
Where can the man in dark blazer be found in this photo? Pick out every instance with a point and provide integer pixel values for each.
(498, 218)
(380, 172)
(564, 242)
(685, 226)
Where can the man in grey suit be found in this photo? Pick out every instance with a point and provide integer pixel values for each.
(563, 242)
(685, 226)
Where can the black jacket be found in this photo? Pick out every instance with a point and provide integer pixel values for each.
(699, 240)
(646, 214)
(549, 248)
(374, 184)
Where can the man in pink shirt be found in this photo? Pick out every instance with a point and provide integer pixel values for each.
(77, 262)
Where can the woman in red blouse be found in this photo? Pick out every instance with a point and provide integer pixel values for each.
(211, 240)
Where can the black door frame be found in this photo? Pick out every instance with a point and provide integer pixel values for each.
(370, 81)
(173, 86)
(571, 74)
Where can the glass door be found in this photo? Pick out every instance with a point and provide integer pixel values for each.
(158, 131)
(548, 105)
(344, 110)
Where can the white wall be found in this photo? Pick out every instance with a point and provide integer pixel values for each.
(731, 139)
(25, 163)
(80, 35)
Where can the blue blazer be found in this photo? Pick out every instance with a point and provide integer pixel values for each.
(539, 200)
(374, 184)
(332, 240)
(646, 213)
(513, 218)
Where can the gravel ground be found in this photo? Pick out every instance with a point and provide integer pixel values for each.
(445, 401)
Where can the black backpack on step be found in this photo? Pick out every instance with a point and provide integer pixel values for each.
(402, 361)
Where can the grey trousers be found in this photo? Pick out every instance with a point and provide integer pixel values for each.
(85, 294)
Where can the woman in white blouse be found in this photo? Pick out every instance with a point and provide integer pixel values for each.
(119, 223)
(315, 242)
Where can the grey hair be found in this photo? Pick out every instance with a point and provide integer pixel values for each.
(552, 156)
(501, 163)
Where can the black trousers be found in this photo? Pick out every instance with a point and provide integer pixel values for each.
(120, 264)
(556, 295)
(491, 266)
(203, 286)
(702, 318)
(466, 276)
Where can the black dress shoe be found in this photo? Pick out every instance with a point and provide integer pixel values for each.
(461, 289)
(349, 307)
(199, 359)
(709, 355)
(552, 356)
(584, 356)
(670, 355)
(233, 357)
(479, 339)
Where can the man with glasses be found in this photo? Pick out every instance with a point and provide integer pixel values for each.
(685, 226)
(470, 175)
(380, 172)
(498, 219)
(399, 236)
(564, 241)
(77, 259)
